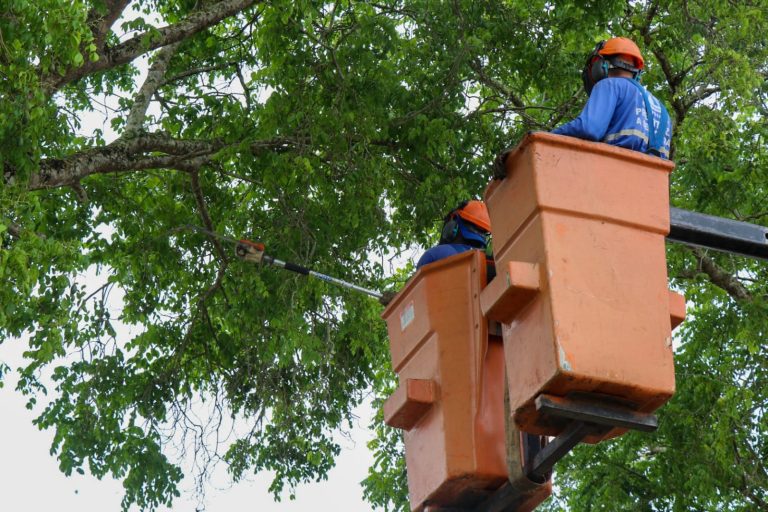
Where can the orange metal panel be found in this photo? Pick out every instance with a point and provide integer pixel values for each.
(515, 287)
(455, 452)
(593, 217)
(410, 403)
(676, 308)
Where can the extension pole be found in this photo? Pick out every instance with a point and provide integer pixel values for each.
(254, 252)
(308, 272)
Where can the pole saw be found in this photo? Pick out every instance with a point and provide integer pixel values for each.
(253, 252)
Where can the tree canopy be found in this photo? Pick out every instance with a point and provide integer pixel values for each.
(338, 133)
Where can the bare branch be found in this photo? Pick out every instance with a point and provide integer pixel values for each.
(140, 153)
(202, 208)
(720, 277)
(125, 52)
(154, 79)
(101, 21)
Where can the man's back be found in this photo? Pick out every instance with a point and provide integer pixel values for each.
(441, 251)
(616, 114)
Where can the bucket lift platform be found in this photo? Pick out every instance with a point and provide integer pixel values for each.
(450, 402)
(581, 288)
(584, 348)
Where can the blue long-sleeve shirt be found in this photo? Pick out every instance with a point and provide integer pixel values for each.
(615, 113)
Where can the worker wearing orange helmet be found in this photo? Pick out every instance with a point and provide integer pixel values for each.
(466, 227)
(619, 110)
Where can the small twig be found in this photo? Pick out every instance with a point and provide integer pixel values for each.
(203, 210)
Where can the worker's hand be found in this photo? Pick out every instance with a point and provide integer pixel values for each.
(386, 297)
(500, 165)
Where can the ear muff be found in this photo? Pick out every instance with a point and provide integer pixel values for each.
(599, 69)
(450, 231)
(595, 69)
(451, 225)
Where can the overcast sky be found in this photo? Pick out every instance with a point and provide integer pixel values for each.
(30, 480)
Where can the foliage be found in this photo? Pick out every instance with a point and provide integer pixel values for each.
(333, 132)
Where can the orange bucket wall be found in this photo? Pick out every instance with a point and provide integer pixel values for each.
(579, 230)
(450, 402)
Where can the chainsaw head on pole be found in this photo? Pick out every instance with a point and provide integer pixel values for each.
(250, 251)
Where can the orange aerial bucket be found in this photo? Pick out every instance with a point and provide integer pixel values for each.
(450, 402)
(579, 241)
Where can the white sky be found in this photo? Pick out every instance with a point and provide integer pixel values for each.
(31, 481)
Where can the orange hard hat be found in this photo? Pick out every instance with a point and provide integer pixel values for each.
(475, 212)
(621, 46)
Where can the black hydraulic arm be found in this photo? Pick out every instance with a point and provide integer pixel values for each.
(718, 233)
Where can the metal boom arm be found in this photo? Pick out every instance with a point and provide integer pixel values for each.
(718, 233)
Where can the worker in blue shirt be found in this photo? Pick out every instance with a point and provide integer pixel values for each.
(466, 227)
(620, 111)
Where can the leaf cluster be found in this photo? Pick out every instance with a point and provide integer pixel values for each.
(338, 133)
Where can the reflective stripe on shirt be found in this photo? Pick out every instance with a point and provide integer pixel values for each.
(633, 133)
(627, 133)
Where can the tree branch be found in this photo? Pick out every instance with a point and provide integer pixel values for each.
(202, 208)
(701, 93)
(721, 278)
(246, 89)
(14, 230)
(140, 153)
(505, 92)
(17, 231)
(197, 71)
(672, 79)
(125, 52)
(154, 80)
(101, 21)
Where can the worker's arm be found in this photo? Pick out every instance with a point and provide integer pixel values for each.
(592, 123)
